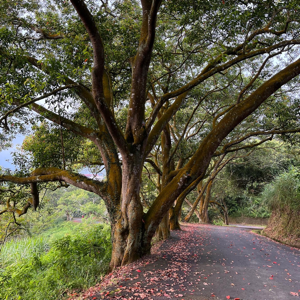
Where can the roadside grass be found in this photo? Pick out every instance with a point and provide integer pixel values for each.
(283, 197)
(68, 257)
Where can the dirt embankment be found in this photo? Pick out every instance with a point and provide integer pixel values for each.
(284, 226)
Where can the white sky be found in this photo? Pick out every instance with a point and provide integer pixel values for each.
(5, 155)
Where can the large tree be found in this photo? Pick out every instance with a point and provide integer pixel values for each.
(116, 73)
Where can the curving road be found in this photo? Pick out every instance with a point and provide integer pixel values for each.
(208, 262)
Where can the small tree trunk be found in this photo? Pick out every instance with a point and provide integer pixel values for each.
(180, 214)
(201, 209)
(204, 211)
(226, 219)
(191, 206)
(198, 199)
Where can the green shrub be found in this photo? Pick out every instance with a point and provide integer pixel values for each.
(249, 206)
(284, 191)
(73, 261)
(218, 222)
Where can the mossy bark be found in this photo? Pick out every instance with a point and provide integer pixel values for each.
(174, 219)
(204, 209)
(163, 231)
(128, 229)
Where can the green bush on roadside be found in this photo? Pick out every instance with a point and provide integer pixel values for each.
(253, 207)
(284, 191)
(38, 270)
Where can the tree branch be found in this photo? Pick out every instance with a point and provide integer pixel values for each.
(35, 100)
(135, 128)
(153, 164)
(208, 72)
(66, 123)
(244, 147)
(44, 35)
(55, 174)
(161, 123)
(257, 133)
(98, 74)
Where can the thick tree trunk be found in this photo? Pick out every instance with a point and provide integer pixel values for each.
(174, 219)
(175, 213)
(128, 239)
(128, 229)
(163, 231)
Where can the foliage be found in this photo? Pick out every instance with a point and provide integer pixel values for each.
(46, 146)
(48, 266)
(243, 181)
(254, 207)
(56, 207)
(260, 167)
(74, 202)
(218, 222)
(284, 191)
(283, 198)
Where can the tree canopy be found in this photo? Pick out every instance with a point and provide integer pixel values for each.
(123, 84)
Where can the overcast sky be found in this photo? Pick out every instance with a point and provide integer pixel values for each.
(5, 155)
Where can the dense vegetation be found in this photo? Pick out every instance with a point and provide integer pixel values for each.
(283, 198)
(46, 256)
(50, 265)
(240, 186)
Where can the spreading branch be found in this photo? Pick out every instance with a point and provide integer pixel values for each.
(255, 133)
(4, 118)
(56, 174)
(217, 68)
(199, 162)
(98, 73)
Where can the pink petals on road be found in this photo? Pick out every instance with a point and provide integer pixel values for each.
(196, 262)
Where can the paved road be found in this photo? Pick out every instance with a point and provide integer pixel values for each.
(208, 262)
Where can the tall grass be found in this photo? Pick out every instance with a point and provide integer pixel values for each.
(72, 256)
(22, 249)
(284, 191)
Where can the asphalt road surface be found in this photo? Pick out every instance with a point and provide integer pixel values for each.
(208, 262)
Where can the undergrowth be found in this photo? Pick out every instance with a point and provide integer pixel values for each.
(71, 256)
(284, 191)
(250, 206)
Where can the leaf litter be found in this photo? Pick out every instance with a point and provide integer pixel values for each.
(193, 264)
